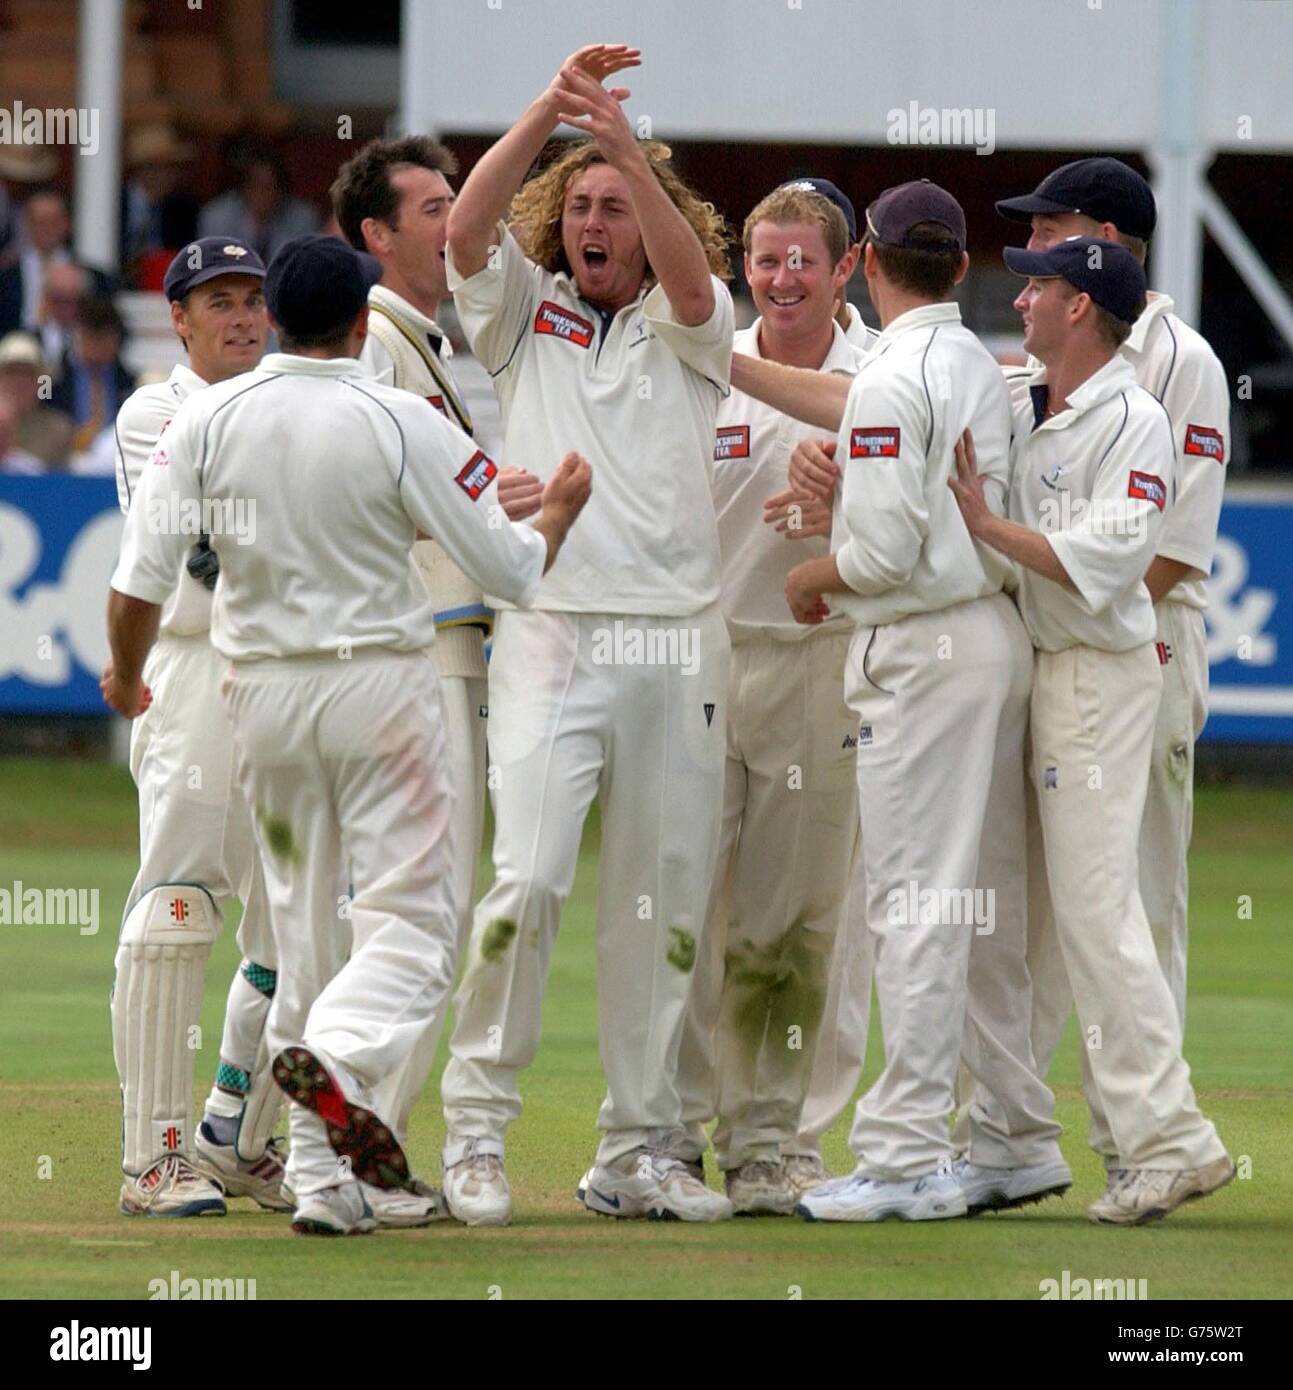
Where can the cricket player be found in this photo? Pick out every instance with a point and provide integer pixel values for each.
(600, 317)
(195, 834)
(789, 821)
(1091, 480)
(938, 677)
(840, 1054)
(392, 200)
(1105, 198)
(333, 698)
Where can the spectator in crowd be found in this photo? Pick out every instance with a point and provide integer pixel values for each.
(46, 227)
(25, 386)
(13, 458)
(261, 210)
(159, 215)
(94, 381)
(20, 167)
(66, 288)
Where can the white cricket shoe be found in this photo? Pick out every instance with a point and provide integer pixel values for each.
(476, 1190)
(172, 1187)
(761, 1189)
(334, 1211)
(805, 1171)
(935, 1197)
(398, 1209)
(1000, 1189)
(1137, 1195)
(651, 1184)
(260, 1179)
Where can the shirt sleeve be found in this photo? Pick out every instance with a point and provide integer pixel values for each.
(1199, 404)
(139, 422)
(378, 361)
(496, 305)
(883, 507)
(155, 538)
(705, 347)
(1113, 537)
(447, 487)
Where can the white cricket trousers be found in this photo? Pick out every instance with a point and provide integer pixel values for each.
(194, 828)
(840, 1055)
(344, 763)
(788, 832)
(634, 709)
(1093, 720)
(942, 701)
(1169, 802)
(465, 702)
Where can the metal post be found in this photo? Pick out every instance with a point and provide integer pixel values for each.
(417, 42)
(1179, 161)
(97, 176)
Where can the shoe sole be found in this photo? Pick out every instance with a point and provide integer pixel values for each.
(891, 1215)
(321, 1228)
(999, 1202)
(1158, 1213)
(355, 1133)
(206, 1207)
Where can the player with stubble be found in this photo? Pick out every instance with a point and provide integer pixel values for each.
(1092, 474)
(600, 315)
(195, 832)
(938, 676)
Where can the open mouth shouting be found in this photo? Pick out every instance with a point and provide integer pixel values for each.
(595, 256)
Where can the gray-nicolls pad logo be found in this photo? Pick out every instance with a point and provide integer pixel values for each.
(709, 713)
(34, 125)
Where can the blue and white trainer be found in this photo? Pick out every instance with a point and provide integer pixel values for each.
(1000, 1189)
(934, 1197)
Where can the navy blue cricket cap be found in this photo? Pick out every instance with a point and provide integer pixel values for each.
(1113, 278)
(896, 211)
(1103, 188)
(318, 283)
(204, 259)
(832, 194)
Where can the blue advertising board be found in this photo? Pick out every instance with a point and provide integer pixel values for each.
(59, 538)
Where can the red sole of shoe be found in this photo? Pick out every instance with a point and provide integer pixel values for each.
(356, 1134)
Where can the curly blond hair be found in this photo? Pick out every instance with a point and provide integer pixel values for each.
(535, 215)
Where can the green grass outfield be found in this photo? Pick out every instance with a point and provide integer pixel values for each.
(65, 824)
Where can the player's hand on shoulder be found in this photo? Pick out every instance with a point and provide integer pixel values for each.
(813, 470)
(797, 516)
(520, 494)
(569, 487)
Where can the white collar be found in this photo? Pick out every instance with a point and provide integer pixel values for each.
(1156, 305)
(922, 316)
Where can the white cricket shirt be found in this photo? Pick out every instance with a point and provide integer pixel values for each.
(342, 472)
(1176, 365)
(857, 332)
(637, 395)
(898, 537)
(144, 414)
(406, 349)
(1096, 480)
(752, 448)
